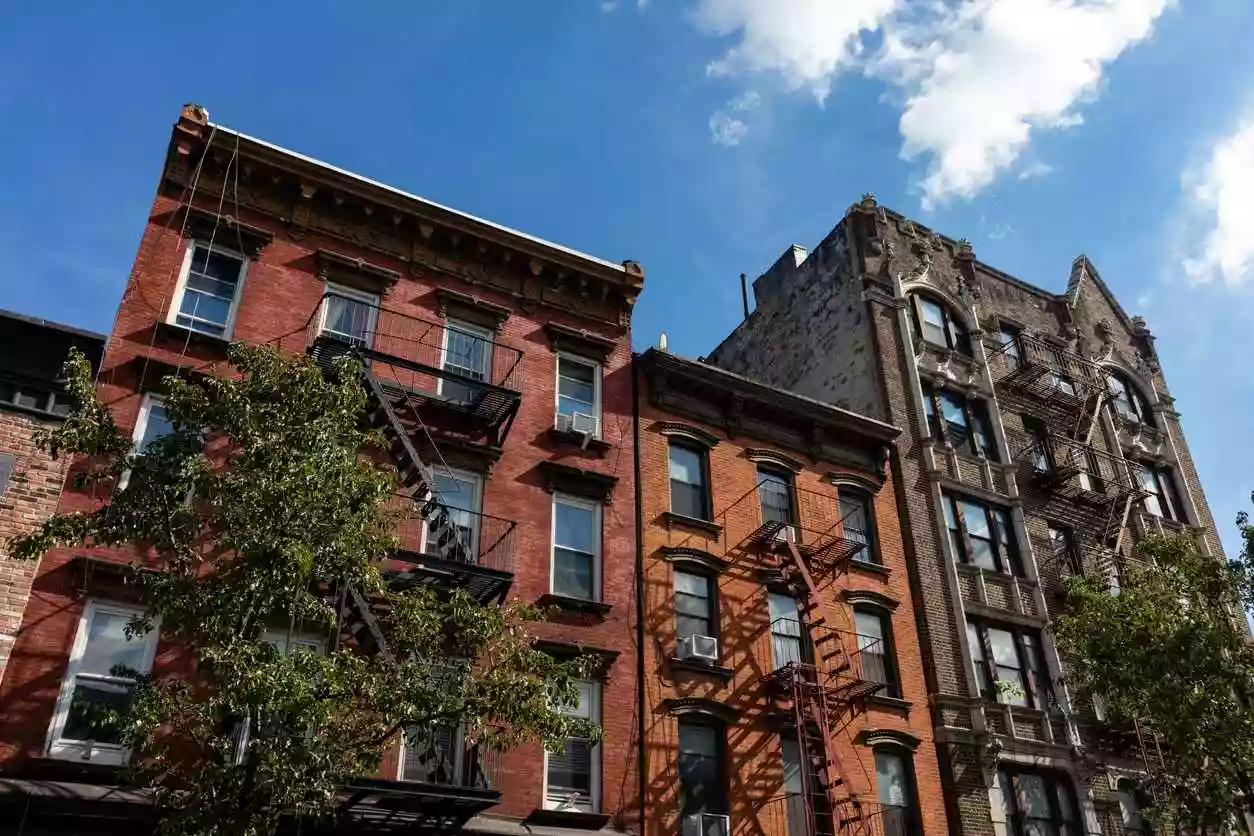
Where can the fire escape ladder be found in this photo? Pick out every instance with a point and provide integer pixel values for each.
(819, 698)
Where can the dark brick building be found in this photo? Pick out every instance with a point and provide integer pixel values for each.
(1039, 439)
(512, 351)
(784, 684)
(31, 397)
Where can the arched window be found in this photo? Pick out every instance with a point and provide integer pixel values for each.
(936, 323)
(1128, 400)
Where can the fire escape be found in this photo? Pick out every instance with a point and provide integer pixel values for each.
(821, 680)
(426, 381)
(1077, 483)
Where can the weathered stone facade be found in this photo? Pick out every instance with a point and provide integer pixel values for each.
(848, 324)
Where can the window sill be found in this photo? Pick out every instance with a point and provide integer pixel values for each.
(75, 751)
(574, 819)
(672, 519)
(869, 568)
(576, 605)
(596, 444)
(707, 668)
(891, 703)
(178, 332)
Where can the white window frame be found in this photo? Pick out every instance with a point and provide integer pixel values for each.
(472, 330)
(111, 754)
(459, 754)
(598, 532)
(180, 289)
(283, 640)
(597, 406)
(476, 481)
(594, 715)
(146, 404)
(370, 299)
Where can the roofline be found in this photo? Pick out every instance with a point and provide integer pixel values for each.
(869, 428)
(428, 204)
(54, 326)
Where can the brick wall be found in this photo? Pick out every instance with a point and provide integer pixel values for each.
(29, 499)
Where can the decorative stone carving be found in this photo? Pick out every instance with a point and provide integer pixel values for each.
(921, 271)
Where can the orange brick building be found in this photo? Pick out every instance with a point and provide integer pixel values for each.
(784, 686)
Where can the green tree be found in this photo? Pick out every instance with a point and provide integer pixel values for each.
(265, 503)
(1170, 653)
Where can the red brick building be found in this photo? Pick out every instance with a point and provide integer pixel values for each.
(513, 352)
(784, 682)
(31, 398)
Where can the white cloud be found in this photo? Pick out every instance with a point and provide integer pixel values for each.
(727, 130)
(978, 77)
(1221, 199)
(1036, 169)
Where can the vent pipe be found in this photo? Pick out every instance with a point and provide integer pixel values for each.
(744, 294)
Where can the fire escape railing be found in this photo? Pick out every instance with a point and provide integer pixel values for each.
(809, 519)
(1046, 371)
(1079, 471)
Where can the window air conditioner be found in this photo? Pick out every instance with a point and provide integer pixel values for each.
(704, 648)
(707, 824)
(562, 423)
(583, 423)
(787, 534)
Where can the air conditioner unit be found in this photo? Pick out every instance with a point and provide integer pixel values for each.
(562, 423)
(707, 824)
(581, 422)
(787, 534)
(704, 648)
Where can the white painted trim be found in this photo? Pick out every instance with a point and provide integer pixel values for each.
(76, 750)
(598, 532)
(177, 299)
(147, 402)
(459, 753)
(463, 327)
(597, 406)
(476, 504)
(370, 299)
(594, 714)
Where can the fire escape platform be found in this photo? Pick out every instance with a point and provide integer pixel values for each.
(406, 570)
(377, 805)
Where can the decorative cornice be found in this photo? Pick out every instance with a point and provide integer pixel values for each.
(760, 454)
(869, 597)
(565, 478)
(471, 308)
(686, 557)
(687, 431)
(568, 650)
(887, 737)
(225, 231)
(354, 272)
(580, 341)
(684, 706)
(854, 480)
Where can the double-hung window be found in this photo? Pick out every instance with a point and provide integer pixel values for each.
(702, 776)
(936, 323)
(1130, 810)
(981, 534)
(787, 644)
(690, 491)
(963, 423)
(857, 524)
(467, 356)
(1062, 549)
(875, 648)
(153, 423)
(695, 610)
(1127, 400)
(461, 493)
(573, 775)
(207, 296)
(1009, 337)
(576, 548)
(1161, 498)
(775, 496)
(1038, 803)
(104, 667)
(349, 315)
(895, 790)
(579, 390)
(1009, 665)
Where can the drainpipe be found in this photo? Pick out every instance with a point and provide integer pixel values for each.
(642, 775)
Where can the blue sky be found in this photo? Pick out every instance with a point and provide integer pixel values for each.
(700, 137)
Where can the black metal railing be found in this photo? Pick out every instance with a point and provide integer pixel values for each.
(847, 665)
(773, 514)
(1039, 367)
(787, 814)
(420, 354)
(479, 539)
(1077, 470)
(442, 756)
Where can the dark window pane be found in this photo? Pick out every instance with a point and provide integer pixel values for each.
(856, 519)
(775, 496)
(7, 461)
(700, 778)
(689, 496)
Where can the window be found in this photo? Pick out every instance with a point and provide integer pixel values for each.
(935, 322)
(39, 398)
(858, 523)
(1127, 400)
(702, 780)
(775, 496)
(433, 755)
(1061, 382)
(349, 315)
(981, 535)
(1008, 664)
(285, 641)
(1162, 501)
(461, 494)
(694, 605)
(579, 388)
(576, 548)
(573, 776)
(7, 460)
(895, 791)
(153, 423)
(1130, 809)
(1062, 550)
(690, 494)
(786, 641)
(207, 296)
(796, 777)
(875, 646)
(961, 422)
(1038, 804)
(468, 355)
(1009, 336)
(103, 669)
